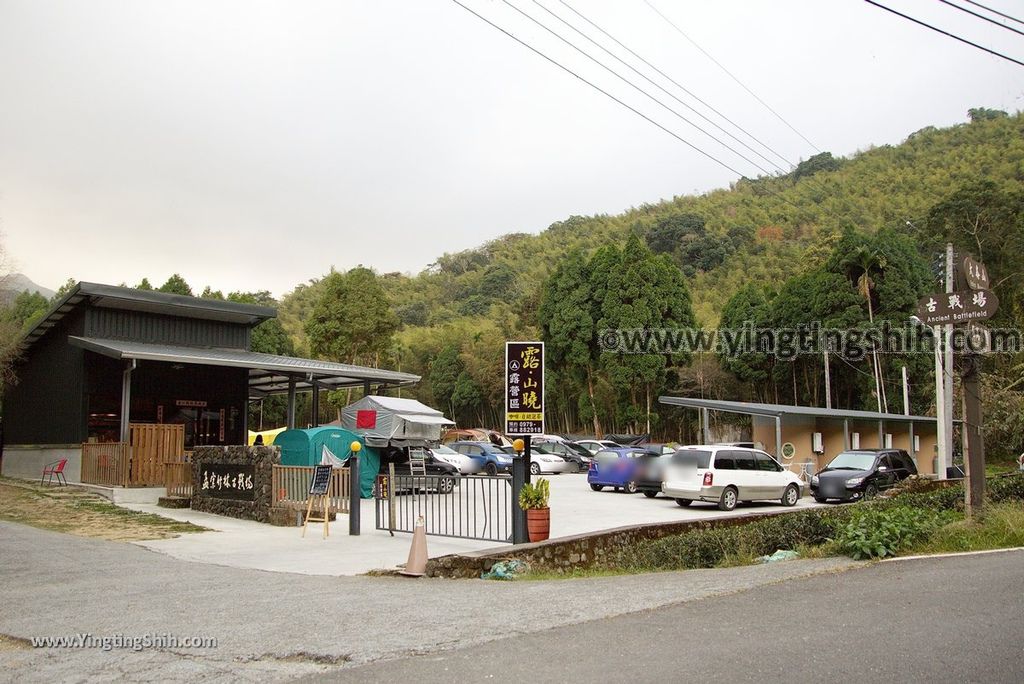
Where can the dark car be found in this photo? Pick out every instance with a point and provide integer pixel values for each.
(861, 474)
(651, 469)
(573, 453)
(616, 468)
(440, 475)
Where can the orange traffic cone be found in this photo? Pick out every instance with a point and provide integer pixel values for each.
(416, 566)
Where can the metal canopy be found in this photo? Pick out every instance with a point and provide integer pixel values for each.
(779, 410)
(151, 301)
(268, 374)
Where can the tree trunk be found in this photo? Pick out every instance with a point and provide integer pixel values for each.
(593, 404)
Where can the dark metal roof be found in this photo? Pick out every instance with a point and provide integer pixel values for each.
(773, 410)
(150, 301)
(268, 373)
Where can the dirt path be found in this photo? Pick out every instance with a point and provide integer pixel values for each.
(77, 511)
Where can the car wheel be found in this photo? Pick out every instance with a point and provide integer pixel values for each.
(491, 469)
(650, 495)
(728, 500)
(791, 495)
(630, 487)
(684, 502)
(820, 499)
(597, 487)
(446, 485)
(535, 469)
(870, 492)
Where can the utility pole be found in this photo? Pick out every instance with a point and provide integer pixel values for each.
(974, 459)
(828, 380)
(940, 411)
(947, 375)
(906, 394)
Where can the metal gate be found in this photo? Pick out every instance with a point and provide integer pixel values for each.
(473, 507)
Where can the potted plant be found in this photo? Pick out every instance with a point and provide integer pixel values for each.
(533, 498)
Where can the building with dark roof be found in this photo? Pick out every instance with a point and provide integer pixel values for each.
(106, 357)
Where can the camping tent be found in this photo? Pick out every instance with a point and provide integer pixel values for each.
(390, 421)
(306, 448)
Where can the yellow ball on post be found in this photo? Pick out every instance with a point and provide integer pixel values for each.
(355, 447)
(518, 445)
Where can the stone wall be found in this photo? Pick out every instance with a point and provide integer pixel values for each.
(251, 501)
(580, 551)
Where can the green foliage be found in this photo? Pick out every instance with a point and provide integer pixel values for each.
(535, 495)
(985, 114)
(352, 320)
(176, 285)
(26, 310)
(819, 162)
(68, 286)
(144, 285)
(879, 532)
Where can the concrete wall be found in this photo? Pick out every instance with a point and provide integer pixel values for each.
(27, 461)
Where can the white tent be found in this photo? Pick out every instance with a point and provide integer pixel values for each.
(398, 422)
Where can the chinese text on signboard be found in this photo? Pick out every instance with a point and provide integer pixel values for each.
(524, 388)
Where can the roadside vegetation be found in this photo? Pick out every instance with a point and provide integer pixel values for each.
(916, 520)
(76, 511)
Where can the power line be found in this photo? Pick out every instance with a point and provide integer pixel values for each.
(674, 82)
(633, 85)
(730, 74)
(993, 11)
(599, 89)
(982, 16)
(945, 33)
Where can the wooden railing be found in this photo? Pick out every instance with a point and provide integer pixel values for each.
(106, 463)
(178, 479)
(290, 485)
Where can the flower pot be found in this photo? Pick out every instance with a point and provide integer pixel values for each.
(538, 523)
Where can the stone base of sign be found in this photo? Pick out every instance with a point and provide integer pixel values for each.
(173, 502)
(292, 515)
(259, 499)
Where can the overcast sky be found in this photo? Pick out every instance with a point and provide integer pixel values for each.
(253, 145)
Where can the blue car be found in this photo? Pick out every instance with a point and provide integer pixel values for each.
(489, 458)
(619, 468)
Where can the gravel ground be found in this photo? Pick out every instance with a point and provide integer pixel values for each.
(279, 626)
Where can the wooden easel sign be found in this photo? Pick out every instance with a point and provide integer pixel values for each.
(319, 489)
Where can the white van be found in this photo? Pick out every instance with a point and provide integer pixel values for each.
(727, 475)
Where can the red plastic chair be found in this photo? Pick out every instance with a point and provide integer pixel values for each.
(55, 468)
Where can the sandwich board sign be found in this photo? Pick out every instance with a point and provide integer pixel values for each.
(524, 388)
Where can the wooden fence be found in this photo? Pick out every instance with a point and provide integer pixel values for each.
(290, 485)
(178, 479)
(106, 463)
(139, 464)
(153, 445)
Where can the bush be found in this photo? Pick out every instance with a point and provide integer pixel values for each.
(877, 531)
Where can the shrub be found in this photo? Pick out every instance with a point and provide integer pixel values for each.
(534, 496)
(879, 531)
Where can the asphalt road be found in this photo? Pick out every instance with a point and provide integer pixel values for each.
(273, 626)
(957, 619)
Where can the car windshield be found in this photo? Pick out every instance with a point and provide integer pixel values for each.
(577, 449)
(444, 451)
(852, 460)
(692, 457)
(607, 455)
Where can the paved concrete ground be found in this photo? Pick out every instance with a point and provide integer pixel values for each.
(930, 620)
(575, 509)
(277, 626)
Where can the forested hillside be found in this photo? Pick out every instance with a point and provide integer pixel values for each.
(766, 238)
(848, 241)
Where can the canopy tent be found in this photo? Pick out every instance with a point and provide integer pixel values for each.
(385, 421)
(305, 447)
(268, 435)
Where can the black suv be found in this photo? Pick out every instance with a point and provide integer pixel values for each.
(861, 474)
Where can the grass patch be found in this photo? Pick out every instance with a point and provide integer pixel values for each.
(77, 511)
(575, 573)
(1002, 527)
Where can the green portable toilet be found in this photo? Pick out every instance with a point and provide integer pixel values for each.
(304, 447)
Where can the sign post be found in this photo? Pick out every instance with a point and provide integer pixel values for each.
(319, 489)
(524, 416)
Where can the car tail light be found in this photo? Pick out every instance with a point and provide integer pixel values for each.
(593, 465)
(708, 478)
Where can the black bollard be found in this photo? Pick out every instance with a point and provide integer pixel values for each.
(355, 494)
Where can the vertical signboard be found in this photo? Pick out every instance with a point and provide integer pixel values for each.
(524, 388)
